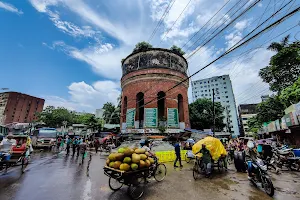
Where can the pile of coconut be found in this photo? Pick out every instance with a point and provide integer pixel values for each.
(129, 159)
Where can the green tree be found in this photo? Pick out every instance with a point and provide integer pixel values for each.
(54, 117)
(291, 94)
(142, 46)
(177, 50)
(201, 115)
(254, 124)
(111, 114)
(270, 110)
(284, 66)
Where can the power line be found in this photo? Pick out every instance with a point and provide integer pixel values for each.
(176, 20)
(245, 11)
(207, 23)
(229, 51)
(167, 10)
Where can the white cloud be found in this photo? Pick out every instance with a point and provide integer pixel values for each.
(85, 97)
(10, 8)
(104, 59)
(241, 25)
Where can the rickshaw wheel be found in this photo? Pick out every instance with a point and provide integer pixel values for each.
(220, 165)
(114, 184)
(187, 159)
(136, 190)
(196, 171)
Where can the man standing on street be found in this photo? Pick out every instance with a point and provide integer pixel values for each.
(177, 152)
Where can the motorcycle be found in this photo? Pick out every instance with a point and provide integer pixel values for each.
(261, 176)
(286, 157)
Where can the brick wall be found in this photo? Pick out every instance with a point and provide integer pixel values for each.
(22, 108)
(151, 85)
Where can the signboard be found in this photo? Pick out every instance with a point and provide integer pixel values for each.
(277, 124)
(294, 119)
(271, 127)
(173, 118)
(288, 120)
(130, 115)
(283, 123)
(150, 117)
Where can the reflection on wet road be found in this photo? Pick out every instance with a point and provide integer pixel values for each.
(53, 176)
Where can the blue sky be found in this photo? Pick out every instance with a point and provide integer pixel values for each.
(69, 51)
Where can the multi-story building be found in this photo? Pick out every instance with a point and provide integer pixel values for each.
(18, 107)
(223, 93)
(246, 111)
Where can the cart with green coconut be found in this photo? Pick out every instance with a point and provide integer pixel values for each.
(132, 168)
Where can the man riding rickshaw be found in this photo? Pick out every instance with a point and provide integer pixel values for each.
(209, 153)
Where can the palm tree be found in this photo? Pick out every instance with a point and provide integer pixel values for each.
(276, 46)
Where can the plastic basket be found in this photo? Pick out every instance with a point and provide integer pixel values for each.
(297, 152)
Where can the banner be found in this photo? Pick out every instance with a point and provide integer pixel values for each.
(173, 118)
(150, 117)
(277, 125)
(130, 115)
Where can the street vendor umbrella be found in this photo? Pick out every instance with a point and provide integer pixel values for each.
(214, 145)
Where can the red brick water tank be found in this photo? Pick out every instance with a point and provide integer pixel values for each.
(147, 77)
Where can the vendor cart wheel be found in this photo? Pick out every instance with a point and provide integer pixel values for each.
(160, 172)
(137, 189)
(187, 159)
(196, 171)
(114, 184)
(220, 165)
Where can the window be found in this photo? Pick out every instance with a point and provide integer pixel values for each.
(223, 78)
(209, 90)
(244, 118)
(225, 87)
(227, 101)
(207, 81)
(209, 94)
(227, 97)
(208, 86)
(205, 90)
(212, 84)
(200, 82)
(201, 86)
(216, 84)
(224, 83)
(201, 90)
(225, 92)
(205, 86)
(204, 81)
(202, 95)
(218, 97)
(205, 94)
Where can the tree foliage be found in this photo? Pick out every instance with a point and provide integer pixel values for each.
(270, 110)
(111, 113)
(55, 117)
(142, 46)
(201, 115)
(284, 66)
(254, 124)
(291, 94)
(177, 50)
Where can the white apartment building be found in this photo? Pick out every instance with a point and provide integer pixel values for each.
(223, 94)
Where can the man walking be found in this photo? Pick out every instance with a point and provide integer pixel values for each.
(177, 152)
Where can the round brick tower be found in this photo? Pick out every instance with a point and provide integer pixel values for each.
(146, 104)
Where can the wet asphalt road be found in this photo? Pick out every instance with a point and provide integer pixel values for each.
(53, 176)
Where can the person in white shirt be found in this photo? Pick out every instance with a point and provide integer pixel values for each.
(7, 143)
(147, 148)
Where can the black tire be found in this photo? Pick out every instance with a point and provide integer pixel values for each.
(196, 171)
(160, 172)
(268, 186)
(112, 182)
(220, 165)
(137, 189)
(187, 159)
